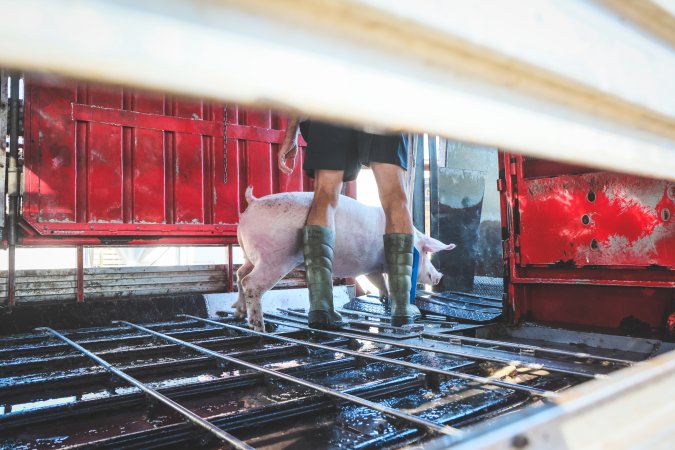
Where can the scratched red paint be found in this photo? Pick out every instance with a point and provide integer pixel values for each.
(624, 219)
(553, 274)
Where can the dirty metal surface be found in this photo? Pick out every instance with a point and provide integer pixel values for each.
(447, 306)
(53, 396)
(586, 248)
(112, 165)
(458, 213)
(597, 219)
(460, 306)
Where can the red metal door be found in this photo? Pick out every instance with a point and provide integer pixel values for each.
(117, 166)
(587, 248)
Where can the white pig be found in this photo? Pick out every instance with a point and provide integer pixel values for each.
(270, 235)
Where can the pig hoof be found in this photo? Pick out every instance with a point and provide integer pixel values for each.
(257, 325)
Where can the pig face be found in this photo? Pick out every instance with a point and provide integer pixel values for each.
(426, 272)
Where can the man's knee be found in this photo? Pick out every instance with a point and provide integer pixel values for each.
(327, 199)
(394, 201)
(327, 187)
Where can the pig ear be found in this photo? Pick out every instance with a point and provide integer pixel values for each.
(432, 245)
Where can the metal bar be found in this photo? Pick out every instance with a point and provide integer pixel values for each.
(230, 269)
(459, 298)
(422, 423)
(80, 274)
(439, 350)
(12, 186)
(189, 415)
(425, 369)
(528, 347)
(633, 409)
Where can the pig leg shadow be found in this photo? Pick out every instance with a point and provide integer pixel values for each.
(260, 280)
(240, 305)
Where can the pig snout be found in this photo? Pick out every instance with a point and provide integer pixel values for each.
(428, 275)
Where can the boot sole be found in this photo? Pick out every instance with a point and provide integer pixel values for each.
(399, 321)
(321, 320)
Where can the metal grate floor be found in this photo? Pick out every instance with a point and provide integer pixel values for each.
(194, 383)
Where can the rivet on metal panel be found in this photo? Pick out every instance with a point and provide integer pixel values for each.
(594, 244)
(585, 219)
(665, 214)
(590, 196)
(520, 441)
(671, 192)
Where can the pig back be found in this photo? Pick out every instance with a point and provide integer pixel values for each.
(270, 230)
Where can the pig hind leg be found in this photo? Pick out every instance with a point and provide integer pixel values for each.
(261, 279)
(377, 278)
(240, 305)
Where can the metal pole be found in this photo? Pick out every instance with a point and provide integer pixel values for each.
(13, 185)
(426, 369)
(421, 423)
(230, 269)
(436, 350)
(189, 415)
(80, 274)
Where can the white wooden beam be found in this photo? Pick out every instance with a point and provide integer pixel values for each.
(562, 80)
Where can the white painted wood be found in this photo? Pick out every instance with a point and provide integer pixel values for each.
(568, 80)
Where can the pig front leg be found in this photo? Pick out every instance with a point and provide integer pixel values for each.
(261, 279)
(240, 305)
(377, 278)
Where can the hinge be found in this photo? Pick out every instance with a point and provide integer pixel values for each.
(501, 185)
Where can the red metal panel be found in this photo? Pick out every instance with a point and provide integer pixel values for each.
(596, 219)
(110, 165)
(587, 248)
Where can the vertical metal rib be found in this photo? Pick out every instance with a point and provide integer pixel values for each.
(424, 348)
(420, 367)
(189, 415)
(419, 422)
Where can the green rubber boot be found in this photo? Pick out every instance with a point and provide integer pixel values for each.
(398, 254)
(317, 245)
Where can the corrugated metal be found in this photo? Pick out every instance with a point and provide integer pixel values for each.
(112, 163)
(113, 282)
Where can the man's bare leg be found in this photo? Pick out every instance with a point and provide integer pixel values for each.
(318, 238)
(327, 187)
(390, 181)
(398, 240)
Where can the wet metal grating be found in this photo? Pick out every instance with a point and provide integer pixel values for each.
(296, 387)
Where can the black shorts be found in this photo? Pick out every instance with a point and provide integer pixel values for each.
(333, 147)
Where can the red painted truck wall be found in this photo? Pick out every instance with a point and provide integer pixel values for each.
(108, 165)
(587, 248)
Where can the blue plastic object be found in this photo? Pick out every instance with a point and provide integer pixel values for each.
(413, 278)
